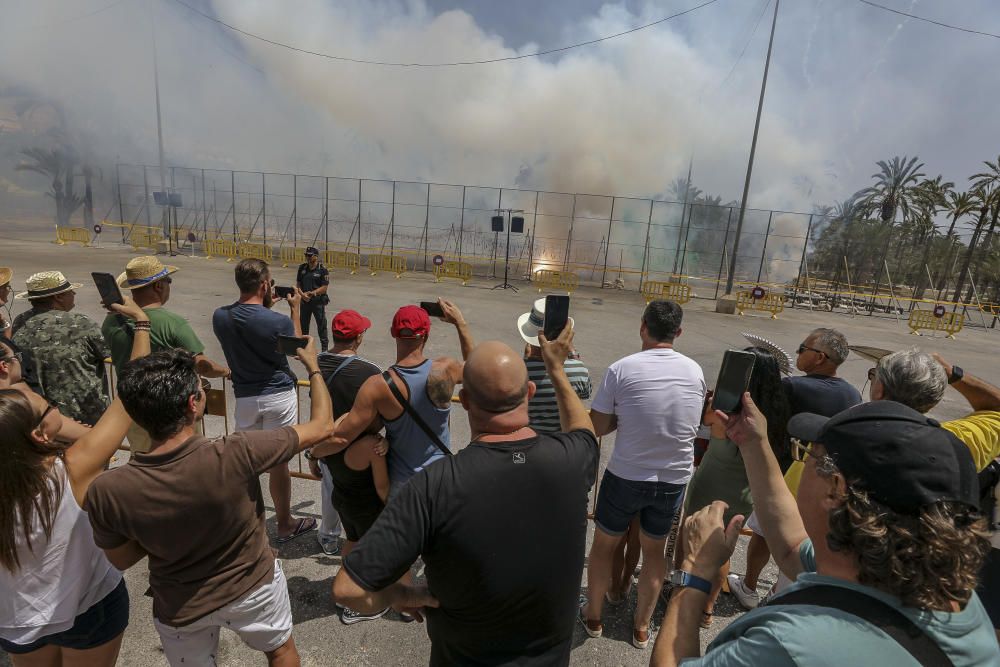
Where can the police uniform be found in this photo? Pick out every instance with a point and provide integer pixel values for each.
(309, 279)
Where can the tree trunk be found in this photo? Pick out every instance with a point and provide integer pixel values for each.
(947, 256)
(88, 199)
(969, 253)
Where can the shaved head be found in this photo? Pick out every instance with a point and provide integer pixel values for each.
(495, 378)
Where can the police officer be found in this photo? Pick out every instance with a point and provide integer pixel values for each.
(312, 281)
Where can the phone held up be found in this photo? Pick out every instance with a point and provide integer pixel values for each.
(283, 292)
(107, 287)
(734, 378)
(556, 315)
(289, 345)
(433, 308)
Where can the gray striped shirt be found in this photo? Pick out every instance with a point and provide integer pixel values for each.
(543, 411)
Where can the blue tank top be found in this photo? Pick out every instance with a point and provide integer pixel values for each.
(410, 450)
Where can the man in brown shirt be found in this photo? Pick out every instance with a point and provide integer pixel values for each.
(194, 506)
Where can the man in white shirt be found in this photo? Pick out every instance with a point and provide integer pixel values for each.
(654, 399)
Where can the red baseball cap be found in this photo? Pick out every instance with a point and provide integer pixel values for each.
(411, 322)
(349, 324)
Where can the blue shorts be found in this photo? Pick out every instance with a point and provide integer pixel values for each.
(620, 500)
(104, 621)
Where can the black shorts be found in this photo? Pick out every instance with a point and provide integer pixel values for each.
(104, 621)
(356, 520)
(989, 586)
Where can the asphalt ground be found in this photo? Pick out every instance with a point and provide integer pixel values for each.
(607, 324)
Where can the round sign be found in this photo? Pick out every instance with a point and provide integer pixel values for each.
(191, 237)
(438, 260)
(758, 292)
(97, 229)
(939, 311)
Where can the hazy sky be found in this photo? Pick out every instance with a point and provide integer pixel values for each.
(849, 85)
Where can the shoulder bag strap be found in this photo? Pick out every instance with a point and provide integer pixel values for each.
(414, 415)
(872, 610)
(343, 364)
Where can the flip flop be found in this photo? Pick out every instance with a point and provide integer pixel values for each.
(304, 526)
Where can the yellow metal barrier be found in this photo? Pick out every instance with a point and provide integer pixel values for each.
(220, 248)
(66, 235)
(759, 299)
(549, 278)
(145, 240)
(255, 251)
(935, 320)
(291, 255)
(460, 270)
(337, 259)
(677, 292)
(393, 263)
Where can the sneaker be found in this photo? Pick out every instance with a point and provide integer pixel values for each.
(407, 617)
(746, 596)
(640, 638)
(350, 617)
(594, 629)
(331, 548)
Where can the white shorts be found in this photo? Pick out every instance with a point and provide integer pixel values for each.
(262, 619)
(270, 411)
(753, 524)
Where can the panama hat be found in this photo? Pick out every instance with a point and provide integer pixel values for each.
(5, 275)
(46, 283)
(142, 271)
(785, 362)
(529, 324)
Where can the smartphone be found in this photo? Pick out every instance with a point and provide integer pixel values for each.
(107, 286)
(556, 315)
(433, 308)
(284, 292)
(290, 345)
(734, 378)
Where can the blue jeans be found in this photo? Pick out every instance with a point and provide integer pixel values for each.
(620, 500)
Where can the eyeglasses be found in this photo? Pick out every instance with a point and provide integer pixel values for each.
(14, 355)
(800, 450)
(49, 409)
(803, 348)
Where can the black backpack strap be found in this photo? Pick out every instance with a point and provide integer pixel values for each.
(891, 621)
(414, 415)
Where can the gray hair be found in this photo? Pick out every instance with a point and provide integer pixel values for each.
(913, 378)
(834, 344)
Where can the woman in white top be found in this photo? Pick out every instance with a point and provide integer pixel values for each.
(61, 601)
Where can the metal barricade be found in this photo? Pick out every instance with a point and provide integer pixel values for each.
(758, 299)
(66, 235)
(560, 280)
(220, 248)
(337, 259)
(145, 239)
(677, 292)
(291, 255)
(255, 251)
(390, 263)
(936, 320)
(460, 270)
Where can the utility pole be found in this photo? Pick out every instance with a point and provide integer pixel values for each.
(164, 221)
(753, 150)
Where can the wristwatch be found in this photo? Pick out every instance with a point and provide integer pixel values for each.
(686, 579)
(308, 455)
(956, 375)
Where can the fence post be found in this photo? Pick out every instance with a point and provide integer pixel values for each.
(392, 222)
(569, 236)
(232, 180)
(145, 192)
(461, 227)
(607, 246)
(645, 247)
(263, 204)
(725, 246)
(802, 260)
(763, 251)
(121, 207)
(204, 208)
(359, 216)
(326, 214)
(427, 222)
(295, 211)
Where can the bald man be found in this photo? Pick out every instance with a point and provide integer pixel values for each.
(501, 526)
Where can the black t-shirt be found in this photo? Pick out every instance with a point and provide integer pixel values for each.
(344, 387)
(820, 394)
(310, 279)
(502, 531)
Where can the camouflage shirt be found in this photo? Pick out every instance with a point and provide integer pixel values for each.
(69, 353)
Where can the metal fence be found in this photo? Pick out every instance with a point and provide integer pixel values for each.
(607, 240)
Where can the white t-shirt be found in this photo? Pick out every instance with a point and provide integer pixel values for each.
(658, 396)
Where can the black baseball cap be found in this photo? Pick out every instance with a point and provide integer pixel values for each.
(311, 250)
(903, 459)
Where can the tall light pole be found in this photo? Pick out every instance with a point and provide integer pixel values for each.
(753, 150)
(164, 224)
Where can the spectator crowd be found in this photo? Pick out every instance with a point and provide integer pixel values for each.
(880, 519)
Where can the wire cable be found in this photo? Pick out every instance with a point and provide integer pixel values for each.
(72, 19)
(459, 63)
(926, 20)
(756, 25)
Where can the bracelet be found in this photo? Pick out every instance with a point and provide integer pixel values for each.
(316, 372)
(143, 326)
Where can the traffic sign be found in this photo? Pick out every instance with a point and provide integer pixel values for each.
(939, 311)
(438, 260)
(758, 292)
(191, 237)
(97, 229)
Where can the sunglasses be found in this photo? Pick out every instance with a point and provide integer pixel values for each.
(14, 355)
(803, 348)
(45, 414)
(800, 450)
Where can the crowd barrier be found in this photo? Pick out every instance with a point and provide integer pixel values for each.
(220, 248)
(560, 280)
(255, 251)
(459, 270)
(145, 240)
(935, 320)
(290, 255)
(759, 299)
(677, 292)
(389, 263)
(338, 259)
(66, 235)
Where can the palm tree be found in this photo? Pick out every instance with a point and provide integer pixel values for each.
(931, 198)
(57, 165)
(988, 179)
(958, 205)
(984, 199)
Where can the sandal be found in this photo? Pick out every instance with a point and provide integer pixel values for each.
(304, 526)
(706, 618)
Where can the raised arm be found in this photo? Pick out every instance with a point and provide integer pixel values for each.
(773, 503)
(87, 456)
(453, 315)
(980, 394)
(294, 302)
(320, 424)
(208, 368)
(572, 415)
(352, 424)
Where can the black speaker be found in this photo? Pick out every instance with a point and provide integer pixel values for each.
(517, 225)
(497, 221)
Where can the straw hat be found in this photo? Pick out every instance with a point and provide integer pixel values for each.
(5, 275)
(142, 271)
(785, 361)
(529, 324)
(46, 283)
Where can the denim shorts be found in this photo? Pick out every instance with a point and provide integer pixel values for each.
(104, 621)
(620, 500)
